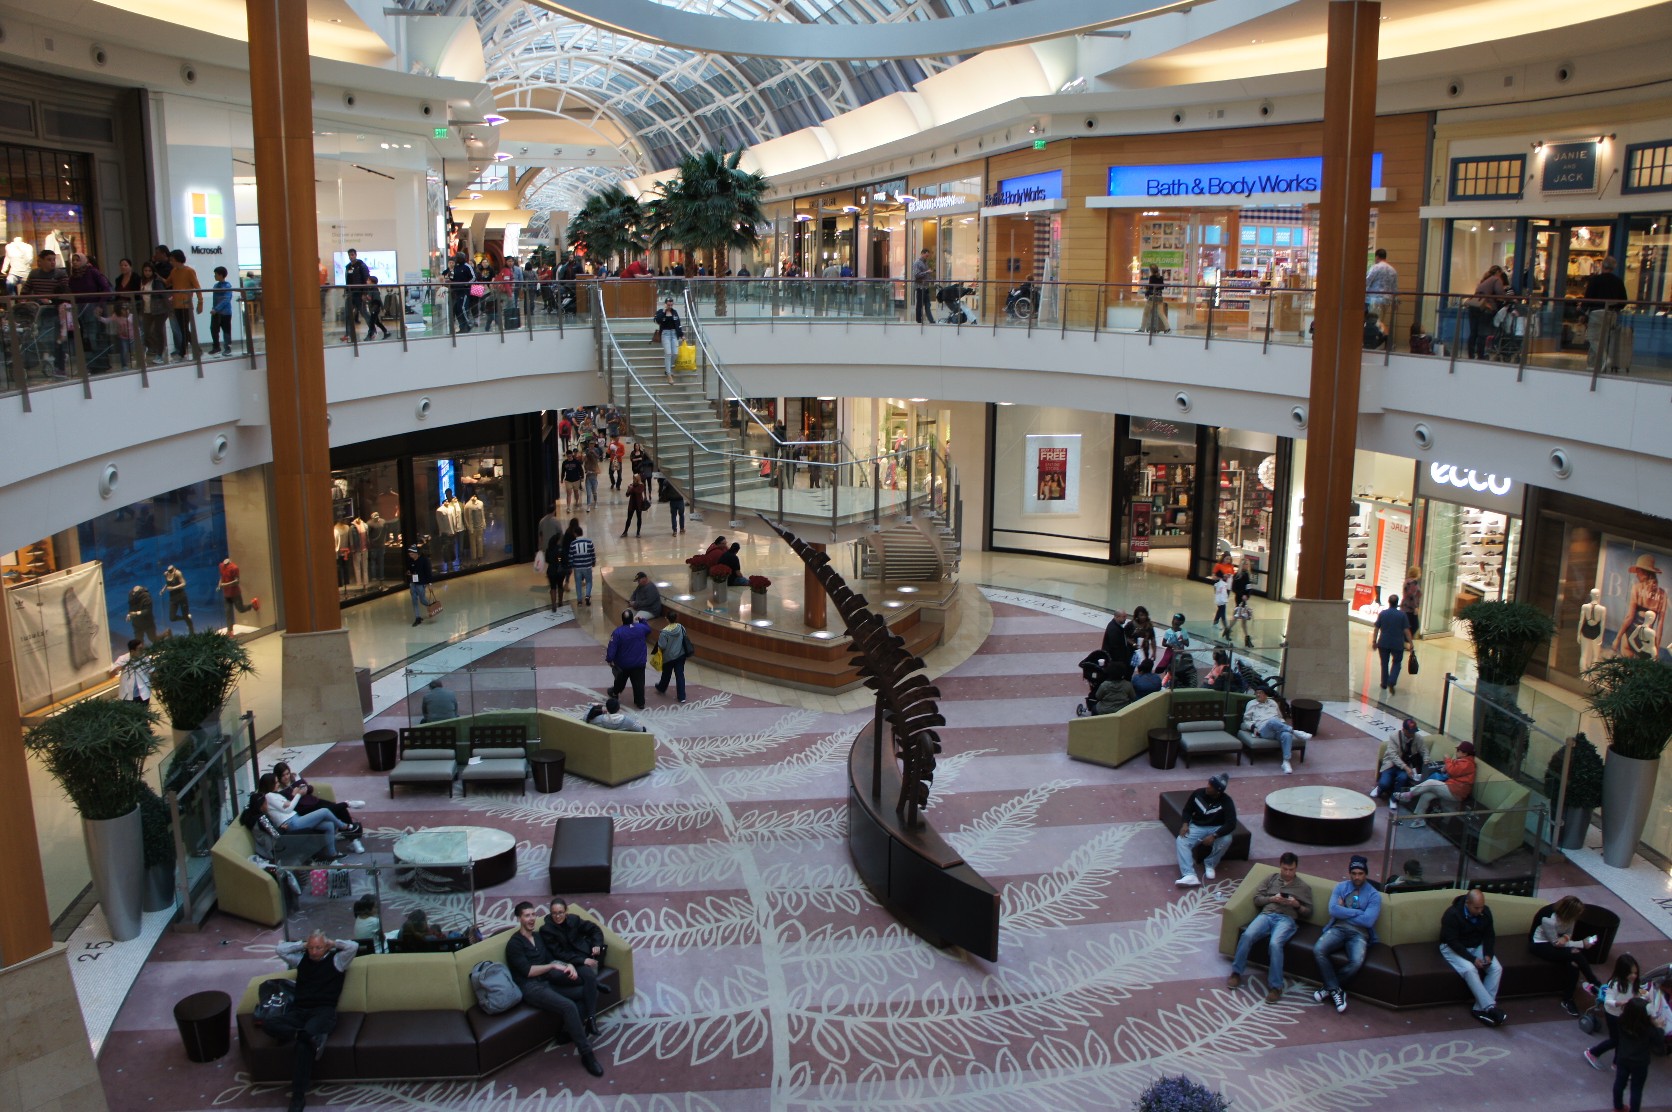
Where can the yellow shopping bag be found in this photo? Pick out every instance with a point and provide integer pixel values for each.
(686, 360)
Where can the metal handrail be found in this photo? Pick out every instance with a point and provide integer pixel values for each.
(729, 389)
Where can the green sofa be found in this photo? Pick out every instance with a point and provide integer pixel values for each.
(243, 888)
(1114, 739)
(1499, 833)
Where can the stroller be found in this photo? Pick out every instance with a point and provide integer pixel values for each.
(952, 298)
(1509, 333)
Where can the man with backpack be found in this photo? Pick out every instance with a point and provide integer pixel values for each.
(550, 985)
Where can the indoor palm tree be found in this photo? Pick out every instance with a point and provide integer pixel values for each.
(710, 208)
(608, 225)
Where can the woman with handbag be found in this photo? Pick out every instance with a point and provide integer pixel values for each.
(669, 331)
(1490, 292)
(557, 561)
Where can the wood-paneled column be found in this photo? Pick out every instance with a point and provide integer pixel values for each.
(25, 924)
(1317, 658)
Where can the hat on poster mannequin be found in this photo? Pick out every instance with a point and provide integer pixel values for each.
(1645, 563)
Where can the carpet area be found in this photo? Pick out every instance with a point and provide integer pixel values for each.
(769, 979)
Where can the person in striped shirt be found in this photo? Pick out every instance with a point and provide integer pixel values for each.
(47, 287)
(582, 557)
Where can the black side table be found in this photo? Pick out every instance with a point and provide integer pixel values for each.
(205, 1022)
(1163, 747)
(380, 749)
(1306, 714)
(547, 767)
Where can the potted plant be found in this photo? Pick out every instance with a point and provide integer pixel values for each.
(759, 584)
(1584, 789)
(699, 571)
(719, 578)
(1180, 1094)
(158, 837)
(1633, 697)
(1505, 636)
(96, 749)
(193, 676)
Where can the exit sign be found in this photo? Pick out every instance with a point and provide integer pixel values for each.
(1039, 144)
(440, 133)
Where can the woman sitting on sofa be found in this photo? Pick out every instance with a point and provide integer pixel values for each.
(285, 816)
(418, 936)
(272, 843)
(301, 793)
(1403, 756)
(1453, 784)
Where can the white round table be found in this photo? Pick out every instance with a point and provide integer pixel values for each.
(1320, 815)
(492, 854)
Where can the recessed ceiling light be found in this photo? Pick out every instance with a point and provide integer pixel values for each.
(906, 590)
(917, 399)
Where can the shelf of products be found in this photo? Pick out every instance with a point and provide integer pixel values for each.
(1237, 288)
(1378, 544)
(1170, 489)
(28, 563)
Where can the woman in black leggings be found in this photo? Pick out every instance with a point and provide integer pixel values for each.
(1620, 990)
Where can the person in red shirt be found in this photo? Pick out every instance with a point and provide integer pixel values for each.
(616, 452)
(635, 269)
(232, 593)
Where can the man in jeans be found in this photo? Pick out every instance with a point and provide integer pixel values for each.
(1467, 941)
(1283, 899)
(321, 966)
(1210, 821)
(1390, 639)
(922, 284)
(1354, 907)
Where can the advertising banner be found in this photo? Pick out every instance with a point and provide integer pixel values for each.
(60, 634)
(1052, 484)
(1629, 588)
(1141, 512)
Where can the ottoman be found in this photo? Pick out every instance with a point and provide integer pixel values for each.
(583, 849)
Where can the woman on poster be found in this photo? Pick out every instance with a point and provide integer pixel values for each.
(1646, 594)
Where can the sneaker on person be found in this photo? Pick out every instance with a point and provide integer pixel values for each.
(1234, 981)
(1286, 769)
(1596, 1064)
(1402, 797)
(1211, 874)
(1569, 1007)
(1319, 995)
(1376, 792)
(357, 846)
(1273, 995)
(1301, 735)
(1187, 881)
(1339, 999)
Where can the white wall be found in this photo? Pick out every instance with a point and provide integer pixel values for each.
(195, 138)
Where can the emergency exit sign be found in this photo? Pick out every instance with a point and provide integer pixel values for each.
(1039, 144)
(440, 133)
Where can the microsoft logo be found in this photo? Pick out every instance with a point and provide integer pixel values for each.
(208, 221)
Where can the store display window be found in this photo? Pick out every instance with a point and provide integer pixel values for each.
(1379, 533)
(1470, 529)
(463, 508)
(1246, 493)
(148, 570)
(366, 529)
(1053, 481)
(46, 193)
(1161, 510)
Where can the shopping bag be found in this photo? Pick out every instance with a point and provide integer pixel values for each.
(686, 360)
(319, 883)
(539, 563)
(339, 888)
(432, 602)
(656, 659)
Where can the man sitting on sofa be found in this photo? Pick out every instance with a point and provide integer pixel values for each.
(1354, 907)
(1263, 718)
(1210, 819)
(1283, 900)
(321, 966)
(1467, 941)
(554, 986)
(610, 716)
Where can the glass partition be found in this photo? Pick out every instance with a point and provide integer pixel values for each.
(417, 894)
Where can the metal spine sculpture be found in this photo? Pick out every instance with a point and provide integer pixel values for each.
(905, 699)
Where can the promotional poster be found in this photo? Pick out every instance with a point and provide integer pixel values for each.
(1629, 583)
(60, 634)
(1053, 479)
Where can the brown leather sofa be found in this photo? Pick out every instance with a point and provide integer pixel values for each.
(411, 1016)
(1404, 968)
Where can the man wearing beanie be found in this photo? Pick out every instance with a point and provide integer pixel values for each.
(1210, 818)
(1354, 907)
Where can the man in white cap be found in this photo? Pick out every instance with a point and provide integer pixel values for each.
(1210, 818)
(1354, 907)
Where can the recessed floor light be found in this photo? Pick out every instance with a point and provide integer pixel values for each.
(684, 598)
(663, 583)
(823, 634)
(760, 623)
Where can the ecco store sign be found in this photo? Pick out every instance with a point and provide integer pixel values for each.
(1227, 179)
(1450, 473)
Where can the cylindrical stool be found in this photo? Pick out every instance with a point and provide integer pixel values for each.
(547, 767)
(380, 749)
(205, 1022)
(1163, 747)
(1305, 714)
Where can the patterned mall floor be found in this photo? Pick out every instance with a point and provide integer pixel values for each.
(769, 979)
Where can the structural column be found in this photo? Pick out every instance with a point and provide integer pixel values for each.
(813, 598)
(25, 925)
(1317, 659)
(320, 701)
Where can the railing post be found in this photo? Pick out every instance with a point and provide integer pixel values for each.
(1208, 339)
(655, 438)
(452, 316)
(1445, 699)
(1456, 336)
(14, 343)
(690, 490)
(400, 295)
(731, 482)
(1265, 344)
(1097, 314)
(73, 339)
(778, 476)
(876, 494)
(1393, 329)
(908, 455)
(499, 316)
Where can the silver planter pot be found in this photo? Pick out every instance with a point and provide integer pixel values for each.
(1628, 794)
(116, 859)
(1576, 826)
(159, 888)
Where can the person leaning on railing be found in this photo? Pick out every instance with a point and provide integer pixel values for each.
(1605, 296)
(41, 298)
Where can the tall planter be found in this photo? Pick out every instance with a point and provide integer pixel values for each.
(1506, 635)
(1628, 794)
(117, 862)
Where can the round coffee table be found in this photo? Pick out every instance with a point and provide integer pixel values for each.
(432, 857)
(1320, 815)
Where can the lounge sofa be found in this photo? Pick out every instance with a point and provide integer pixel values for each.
(411, 1016)
(243, 888)
(1404, 968)
(1114, 739)
(610, 757)
(1490, 837)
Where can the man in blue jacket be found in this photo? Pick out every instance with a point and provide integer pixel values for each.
(626, 655)
(1354, 907)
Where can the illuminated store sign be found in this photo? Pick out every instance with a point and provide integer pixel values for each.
(205, 222)
(1568, 166)
(1469, 479)
(1046, 186)
(1227, 179)
(933, 204)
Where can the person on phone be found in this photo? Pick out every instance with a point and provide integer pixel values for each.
(1554, 938)
(1467, 942)
(1450, 785)
(1403, 757)
(1354, 907)
(1282, 900)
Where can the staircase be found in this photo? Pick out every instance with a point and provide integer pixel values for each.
(922, 549)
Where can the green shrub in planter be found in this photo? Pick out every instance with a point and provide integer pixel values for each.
(193, 676)
(1584, 788)
(96, 749)
(159, 834)
(1506, 635)
(1180, 1094)
(1633, 697)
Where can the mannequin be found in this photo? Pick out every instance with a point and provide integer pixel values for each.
(141, 615)
(1593, 616)
(475, 524)
(179, 605)
(340, 533)
(19, 258)
(449, 523)
(357, 550)
(54, 244)
(374, 545)
(1644, 640)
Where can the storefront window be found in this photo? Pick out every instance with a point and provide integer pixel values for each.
(145, 571)
(1648, 263)
(1246, 494)
(1052, 481)
(1476, 246)
(1471, 541)
(45, 196)
(1379, 534)
(366, 515)
(463, 508)
(1161, 512)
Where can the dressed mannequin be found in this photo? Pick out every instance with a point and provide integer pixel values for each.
(475, 524)
(179, 605)
(53, 244)
(449, 523)
(1644, 640)
(340, 533)
(357, 550)
(141, 615)
(374, 545)
(19, 258)
(1593, 616)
